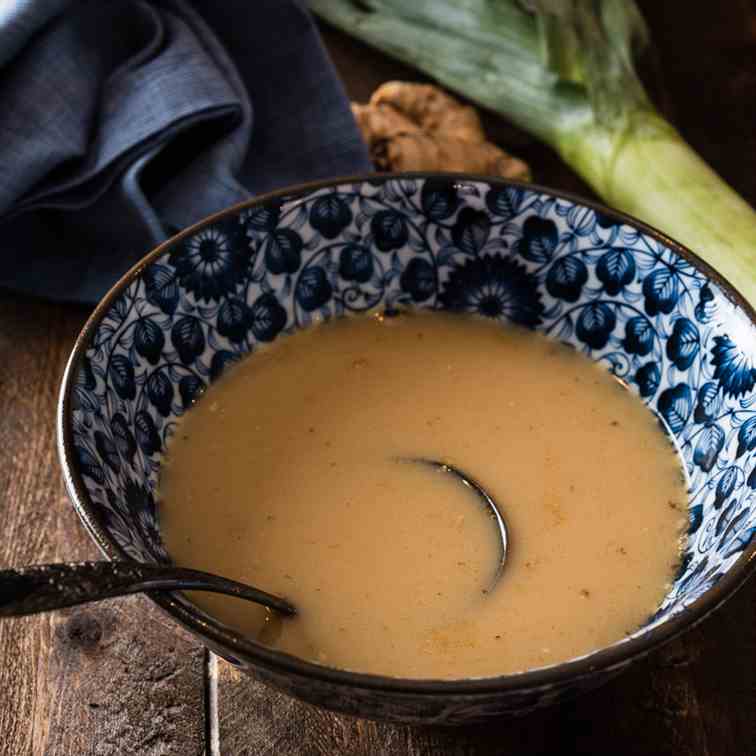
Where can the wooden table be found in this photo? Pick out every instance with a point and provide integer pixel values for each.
(119, 678)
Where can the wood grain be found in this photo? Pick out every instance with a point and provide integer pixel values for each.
(112, 678)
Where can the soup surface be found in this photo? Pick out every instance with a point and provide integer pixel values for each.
(286, 476)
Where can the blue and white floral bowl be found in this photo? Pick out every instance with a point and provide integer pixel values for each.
(623, 294)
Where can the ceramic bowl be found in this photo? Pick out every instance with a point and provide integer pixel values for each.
(631, 299)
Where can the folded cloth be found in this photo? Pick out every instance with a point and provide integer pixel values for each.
(123, 121)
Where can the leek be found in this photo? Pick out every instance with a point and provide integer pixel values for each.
(563, 70)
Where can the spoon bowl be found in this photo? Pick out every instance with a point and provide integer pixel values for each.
(488, 502)
(46, 587)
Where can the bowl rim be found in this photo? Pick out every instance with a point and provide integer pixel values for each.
(606, 658)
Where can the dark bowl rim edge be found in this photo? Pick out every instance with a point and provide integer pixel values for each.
(604, 659)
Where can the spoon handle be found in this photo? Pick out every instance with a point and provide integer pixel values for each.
(43, 587)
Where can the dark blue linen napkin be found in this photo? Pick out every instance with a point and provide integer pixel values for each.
(123, 121)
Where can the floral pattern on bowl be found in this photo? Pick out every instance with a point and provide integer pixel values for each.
(621, 294)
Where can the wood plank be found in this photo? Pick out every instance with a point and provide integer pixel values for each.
(112, 678)
(696, 696)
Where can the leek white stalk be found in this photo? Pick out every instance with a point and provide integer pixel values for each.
(563, 70)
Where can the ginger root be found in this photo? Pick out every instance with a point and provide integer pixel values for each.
(418, 127)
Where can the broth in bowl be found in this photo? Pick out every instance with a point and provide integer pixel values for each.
(285, 475)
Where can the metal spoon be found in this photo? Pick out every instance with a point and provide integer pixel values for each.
(486, 500)
(44, 587)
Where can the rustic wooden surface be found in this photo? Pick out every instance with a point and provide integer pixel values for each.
(109, 679)
(118, 678)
